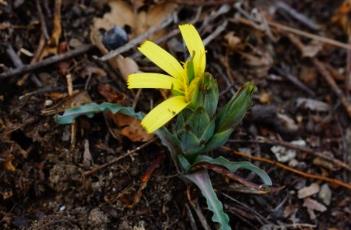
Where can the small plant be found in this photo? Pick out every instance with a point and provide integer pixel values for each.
(200, 126)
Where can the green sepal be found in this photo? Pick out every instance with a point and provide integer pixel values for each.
(208, 132)
(218, 140)
(198, 121)
(189, 142)
(206, 95)
(234, 111)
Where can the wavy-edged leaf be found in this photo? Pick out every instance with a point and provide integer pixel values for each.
(203, 182)
(234, 166)
(91, 109)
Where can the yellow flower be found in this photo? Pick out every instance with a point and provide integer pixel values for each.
(182, 80)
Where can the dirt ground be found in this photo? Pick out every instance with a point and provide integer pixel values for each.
(105, 172)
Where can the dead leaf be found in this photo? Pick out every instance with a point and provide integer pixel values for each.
(342, 16)
(325, 194)
(128, 126)
(123, 14)
(312, 104)
(232, 40)
(312, 49)
(308, 191)
(7, 163)
(67, 103)
(111, 95)
(126, 66)
(87, 158)
(313, 205)
(265, 97)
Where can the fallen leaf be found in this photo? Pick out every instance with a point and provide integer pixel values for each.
(122, 14)
(325, 194)
(312, 104)
(308, 191)
(313, 205)
(87, 158)
(128, 126)
(126, 66)
(76, 99)
(312, 49)
(7, 163)
(232, 40)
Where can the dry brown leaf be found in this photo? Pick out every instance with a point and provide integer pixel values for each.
(126, 66)
(313, 205)
(308, 191)
(128, 126)
(122, 14)
(76, 99)
(7, 163)
(232, 40)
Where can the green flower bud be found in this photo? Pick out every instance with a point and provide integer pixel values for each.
(234, 111)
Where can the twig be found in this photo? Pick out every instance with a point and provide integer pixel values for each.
(49, 61)
(17, 62)
(195, 205)
(298, 32)
(128, 153)
(136, 40)
(327, 76)
(331, 181)
(44, 29)
(297, 15)
(294, 80)
(215, 33)
(298, 148)
(330, 80)
(191, 217)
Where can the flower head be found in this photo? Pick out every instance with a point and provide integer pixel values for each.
(182, 80)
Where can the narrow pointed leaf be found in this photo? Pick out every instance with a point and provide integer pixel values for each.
(203, 182)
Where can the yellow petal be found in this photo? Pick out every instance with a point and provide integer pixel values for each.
(162, 59)
(152, 80)
(195, 47)
(163, 113)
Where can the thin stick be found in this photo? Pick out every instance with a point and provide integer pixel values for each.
(298, 32)
(128, 153)
(46, 62)
(131, 44)
(330, 80)
(298, 148)
(44, 29)
(330, 181)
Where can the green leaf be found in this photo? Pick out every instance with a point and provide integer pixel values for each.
(234, 111)
(198, 121)
(208, 132)
(202, 180)
(189, 142)
(218, 140)
(90, 109)
(184, 163)
(234, 166)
